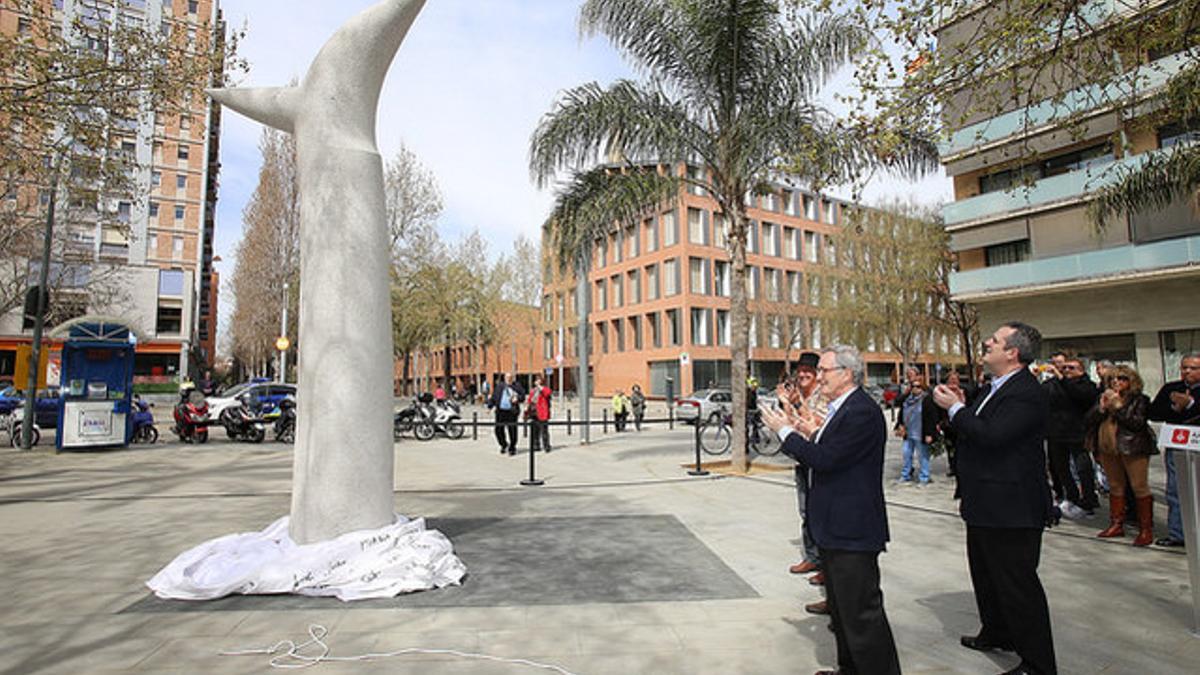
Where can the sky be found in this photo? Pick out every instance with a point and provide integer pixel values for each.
(465, 92)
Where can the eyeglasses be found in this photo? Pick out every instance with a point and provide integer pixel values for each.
(1122, 378)
(830, 370)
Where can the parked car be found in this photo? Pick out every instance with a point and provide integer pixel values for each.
(46, 410)
(264, 396)
(705, 405)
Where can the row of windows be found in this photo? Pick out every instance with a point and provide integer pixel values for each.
(789, 202)
(713, 328)
(706, 229)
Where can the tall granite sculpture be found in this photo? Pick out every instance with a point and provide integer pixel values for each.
(343, 475)
(343, 537)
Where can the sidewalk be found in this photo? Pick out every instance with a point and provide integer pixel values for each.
(621, 563)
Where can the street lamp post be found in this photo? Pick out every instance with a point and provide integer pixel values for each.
(283, 334)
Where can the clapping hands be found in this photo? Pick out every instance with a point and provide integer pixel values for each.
(946, 397)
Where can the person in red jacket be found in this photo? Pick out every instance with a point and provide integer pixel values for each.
(539, 418)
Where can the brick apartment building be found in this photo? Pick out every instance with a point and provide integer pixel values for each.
(660, 297)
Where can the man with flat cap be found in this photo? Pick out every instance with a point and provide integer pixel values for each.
(801, 391)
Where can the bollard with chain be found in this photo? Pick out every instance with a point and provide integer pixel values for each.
(475, 426)
(605, 411)
(532, 481)
(568, 421)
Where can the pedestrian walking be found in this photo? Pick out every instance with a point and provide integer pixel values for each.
(506, 402)
(637, 404)
(539, 415)
(620, 410)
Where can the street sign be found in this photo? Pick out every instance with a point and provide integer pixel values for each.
(283, 343)
(549, 372)
(1180, 437)
(684, 359)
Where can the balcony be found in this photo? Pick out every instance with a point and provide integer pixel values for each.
(1139, 83)
(1092, 265)
(1045, 193)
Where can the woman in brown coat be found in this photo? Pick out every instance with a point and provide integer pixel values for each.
(1117, 430)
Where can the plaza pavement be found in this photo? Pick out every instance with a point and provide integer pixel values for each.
(82, 533)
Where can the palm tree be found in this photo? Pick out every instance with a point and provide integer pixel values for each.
(729, 84)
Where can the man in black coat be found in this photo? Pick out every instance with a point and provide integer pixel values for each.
(846, 512)
(1177, 402)
(1072, 393)
(506, 399)
(1005, 499)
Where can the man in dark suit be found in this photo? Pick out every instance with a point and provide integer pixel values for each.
(846, 512)
(1177, 402)
(506, 400)
(1005, 498)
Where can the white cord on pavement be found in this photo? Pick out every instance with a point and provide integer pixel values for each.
(287, 654)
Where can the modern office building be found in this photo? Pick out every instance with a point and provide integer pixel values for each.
(660, 305)
(158, 263)
(1026, 248)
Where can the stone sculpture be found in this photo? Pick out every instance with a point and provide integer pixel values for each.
(343, 475)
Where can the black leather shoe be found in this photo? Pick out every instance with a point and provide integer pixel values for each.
(1169, 543)
(1022, 669)
(981, 644)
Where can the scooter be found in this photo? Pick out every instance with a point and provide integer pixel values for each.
(142, 420)
(447, 419)
(241, 424)
(191, 417)
(285, 420)
(416, 418)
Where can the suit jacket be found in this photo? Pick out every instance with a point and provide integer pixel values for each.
(518, 396)
(1001, 456)
(1161, 410)
(845, 509)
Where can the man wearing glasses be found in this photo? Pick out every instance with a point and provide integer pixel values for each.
(846, 512)
(1177, 402)
(1005, 499)
(1072, 393)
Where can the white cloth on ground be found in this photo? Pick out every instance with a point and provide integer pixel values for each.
(400, 558)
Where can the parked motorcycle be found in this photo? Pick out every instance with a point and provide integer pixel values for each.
(191, 417)
(417, 418)
(285, 420)
(447, 419)
(241, 423)
(142, 421)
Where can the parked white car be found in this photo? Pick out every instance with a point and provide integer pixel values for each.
(704, 404)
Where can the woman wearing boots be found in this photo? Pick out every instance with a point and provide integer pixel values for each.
(1117, 428)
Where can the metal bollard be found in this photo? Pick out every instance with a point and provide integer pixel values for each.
(568, 421)
(605, 411)
(671, 418)
(474, 426)
(699, 470)
(532, 481)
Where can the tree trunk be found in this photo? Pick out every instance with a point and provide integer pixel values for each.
(583, 300)
(404, 385)
(740, 339)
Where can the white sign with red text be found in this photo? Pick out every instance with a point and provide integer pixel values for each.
(1179, 437)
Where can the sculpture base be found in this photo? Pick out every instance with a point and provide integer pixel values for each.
(401, 558)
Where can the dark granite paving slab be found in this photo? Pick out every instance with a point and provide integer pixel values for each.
(542, 561)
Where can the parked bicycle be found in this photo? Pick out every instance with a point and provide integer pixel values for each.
(717, 438)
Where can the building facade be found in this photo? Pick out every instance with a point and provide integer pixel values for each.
(660, 297)
(1025, 245)
(157, 266)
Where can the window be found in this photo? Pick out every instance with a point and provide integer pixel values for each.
(547, 309)
(547, 346)
(602, 252)
(619, 333)
(724, 332)
(721, 276)
(698, 276)
(752, 281)
(154, 210)
(603, 334)
(670, 277)
(651, 227)
(789, 202)
(635, 287)
(770, 239)
(754, 326)
(635, 328)
(1009, 178)
(752, 237)
(182, 152)
(193, 6)
(698, 226)
(181, 182)
(810, 208)
(1006, 254)
(816, 333)
(618, 290)
(602, 294)
(670, 227)
(1080, 160)
(617, 245)
(814, 290)
(180, 212)
(169, 320)
(652, 290)
(1174, 134)
(185, 122)
(123, 211)
(829, 210)
(170, 283)
(794, 280)
(701, 330)
(771, 282)
(695, 173)
(155, 178)
(632, 238)
(796, 333)
(720, 231)
(177, 247)
(790, 244)
(812, 247)
(772, 202)
(775, 331)
(655, 327)
(830, 251)
(674, 329)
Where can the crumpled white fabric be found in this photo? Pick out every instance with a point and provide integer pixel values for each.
(400, 558)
